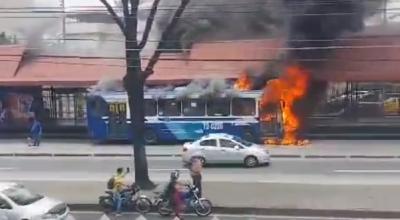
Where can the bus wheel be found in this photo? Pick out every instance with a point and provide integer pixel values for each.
(150, 137)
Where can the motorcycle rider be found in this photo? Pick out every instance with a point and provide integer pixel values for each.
(119, 186)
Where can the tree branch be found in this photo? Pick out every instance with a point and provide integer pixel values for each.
(114, 15)
(149, 24)
(155, 57)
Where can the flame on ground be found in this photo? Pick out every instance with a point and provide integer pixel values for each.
(283, 93)
(243, 83)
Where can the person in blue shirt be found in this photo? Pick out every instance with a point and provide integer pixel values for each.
(36, 132)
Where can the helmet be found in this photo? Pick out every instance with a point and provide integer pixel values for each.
(175, 175)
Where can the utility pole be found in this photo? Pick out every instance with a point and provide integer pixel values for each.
(62, 5)
(385, 5)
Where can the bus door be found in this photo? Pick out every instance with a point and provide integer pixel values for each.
(117, 127)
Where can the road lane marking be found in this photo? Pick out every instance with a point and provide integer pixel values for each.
(180, 169)
(7, 168)
(367, 171)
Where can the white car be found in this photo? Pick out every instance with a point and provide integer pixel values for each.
(18, 203)
(225, 149)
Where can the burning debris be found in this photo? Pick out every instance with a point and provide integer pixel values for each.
(283, 93)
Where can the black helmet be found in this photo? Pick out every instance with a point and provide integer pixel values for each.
(175, 175)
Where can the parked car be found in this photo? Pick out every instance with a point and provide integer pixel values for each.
(19, 203)
(225, 149)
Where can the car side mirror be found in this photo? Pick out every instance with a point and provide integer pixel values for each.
(237, 147)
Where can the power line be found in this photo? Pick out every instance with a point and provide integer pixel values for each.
(216, 41)
(214, 13)
(308, 48)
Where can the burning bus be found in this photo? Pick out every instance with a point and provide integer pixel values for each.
(178, 115)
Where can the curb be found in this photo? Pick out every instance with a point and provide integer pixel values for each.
(279, 212)
(81, 155)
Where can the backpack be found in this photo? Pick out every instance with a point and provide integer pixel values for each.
(110, 183)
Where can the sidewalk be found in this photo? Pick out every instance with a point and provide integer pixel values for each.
(374, 149)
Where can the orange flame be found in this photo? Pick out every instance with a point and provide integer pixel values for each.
(284, 92)
(243, 83)
(267, 117)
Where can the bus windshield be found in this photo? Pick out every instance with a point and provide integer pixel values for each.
(241, 141)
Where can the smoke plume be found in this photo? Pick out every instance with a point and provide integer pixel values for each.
(314, 25)
(205, 88)
(224, 20)
(107, 85)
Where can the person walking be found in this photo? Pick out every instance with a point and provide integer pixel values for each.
(119, 186)
(178, 203)
(36, 132)
(195, 172)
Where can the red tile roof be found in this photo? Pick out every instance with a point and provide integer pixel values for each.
(369, 59)
(10, 57)
(204, 62)
(380, 61)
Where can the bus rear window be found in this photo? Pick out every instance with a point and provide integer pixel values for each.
(98, 106)
(169, 107)
(150, 107)
(194, 107)
(218, 107)
(243, 106)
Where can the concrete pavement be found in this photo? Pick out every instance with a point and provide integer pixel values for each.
(329, 149)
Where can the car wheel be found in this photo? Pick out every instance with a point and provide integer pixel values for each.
(250, 161)
(150, 137)
(202, 160)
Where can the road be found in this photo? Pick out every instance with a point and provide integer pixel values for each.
(100, 216)
(333, 184)
(99, 169)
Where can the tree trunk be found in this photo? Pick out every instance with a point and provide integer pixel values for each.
(134, 85)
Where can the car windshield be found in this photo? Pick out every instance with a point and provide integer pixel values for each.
(22, 196)
(241, 141)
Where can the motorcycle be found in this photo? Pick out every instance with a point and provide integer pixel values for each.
(131, 199)
(201, 206)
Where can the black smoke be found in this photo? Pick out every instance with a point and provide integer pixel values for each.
(314, 27)
(209, 20)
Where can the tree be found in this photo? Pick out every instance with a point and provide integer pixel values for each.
(136, 76)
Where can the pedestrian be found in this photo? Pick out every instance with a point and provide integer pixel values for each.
(178, 200)
(119, 185)
(36, 132)
(195, 172)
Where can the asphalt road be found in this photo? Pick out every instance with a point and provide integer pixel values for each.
(99, 169)
(100, 216)
(338, 184)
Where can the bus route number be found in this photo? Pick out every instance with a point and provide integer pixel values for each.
(213, 126)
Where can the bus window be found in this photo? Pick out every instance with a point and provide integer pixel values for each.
(150, 107)
(218, 107)
(243, 106)
(194, 107)
(169, 107)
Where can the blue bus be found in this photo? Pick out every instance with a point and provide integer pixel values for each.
(173, 118)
